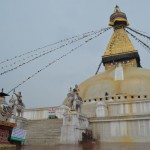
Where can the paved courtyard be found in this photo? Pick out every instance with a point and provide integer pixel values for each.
(93, 146)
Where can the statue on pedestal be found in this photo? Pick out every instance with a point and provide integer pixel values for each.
(17, 104)
(74, 100)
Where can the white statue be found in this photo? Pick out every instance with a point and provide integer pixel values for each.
(70, 96)
(74, 100)
(17, 105)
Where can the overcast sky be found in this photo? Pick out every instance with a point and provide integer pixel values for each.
(29, 24)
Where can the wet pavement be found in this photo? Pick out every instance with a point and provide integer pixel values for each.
(93, 146)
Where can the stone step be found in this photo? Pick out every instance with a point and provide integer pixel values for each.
(43, 132)
(47, 122)
(46, 127)
(42, 141)
(42, 135)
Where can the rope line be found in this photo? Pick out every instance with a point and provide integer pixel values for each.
(141, 42)
(49, 51)
(43, 54)
(98, 67)
(37, 49)
(85, 42)
(139, 33)
(34, 55)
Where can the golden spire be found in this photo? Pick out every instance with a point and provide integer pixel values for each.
(119, 43)
(120, 48)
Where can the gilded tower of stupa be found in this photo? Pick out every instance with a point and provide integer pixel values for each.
(120, 49)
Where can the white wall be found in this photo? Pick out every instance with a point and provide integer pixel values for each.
(122, 130)
(36, 114)
(129, 108)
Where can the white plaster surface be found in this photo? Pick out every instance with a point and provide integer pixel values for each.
(73, 125)
(101, 110)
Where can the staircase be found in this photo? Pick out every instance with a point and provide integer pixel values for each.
(43, 132)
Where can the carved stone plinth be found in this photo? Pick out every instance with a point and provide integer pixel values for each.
(20, 122)
(74, 124)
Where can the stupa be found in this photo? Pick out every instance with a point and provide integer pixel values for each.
(117, 100)
(123, 78)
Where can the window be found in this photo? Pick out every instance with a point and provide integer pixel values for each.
(89, 100)
(132, 96)
(138, 96)
(95, 100)
(112, 97)
(101, 99)
(118, 97)
(125, 97)
(84, 100)
(145, 96)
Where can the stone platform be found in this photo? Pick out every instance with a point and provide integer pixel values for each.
(74, 125)
(129, 128)
(43, 132)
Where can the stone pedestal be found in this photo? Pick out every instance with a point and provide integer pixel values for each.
(20, 122)
(101, 110)
(74, 124)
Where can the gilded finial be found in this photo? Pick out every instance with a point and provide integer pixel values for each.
(117, 9)
(118, 18)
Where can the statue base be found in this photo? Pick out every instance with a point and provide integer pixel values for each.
(20, 121)
(74, 125)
